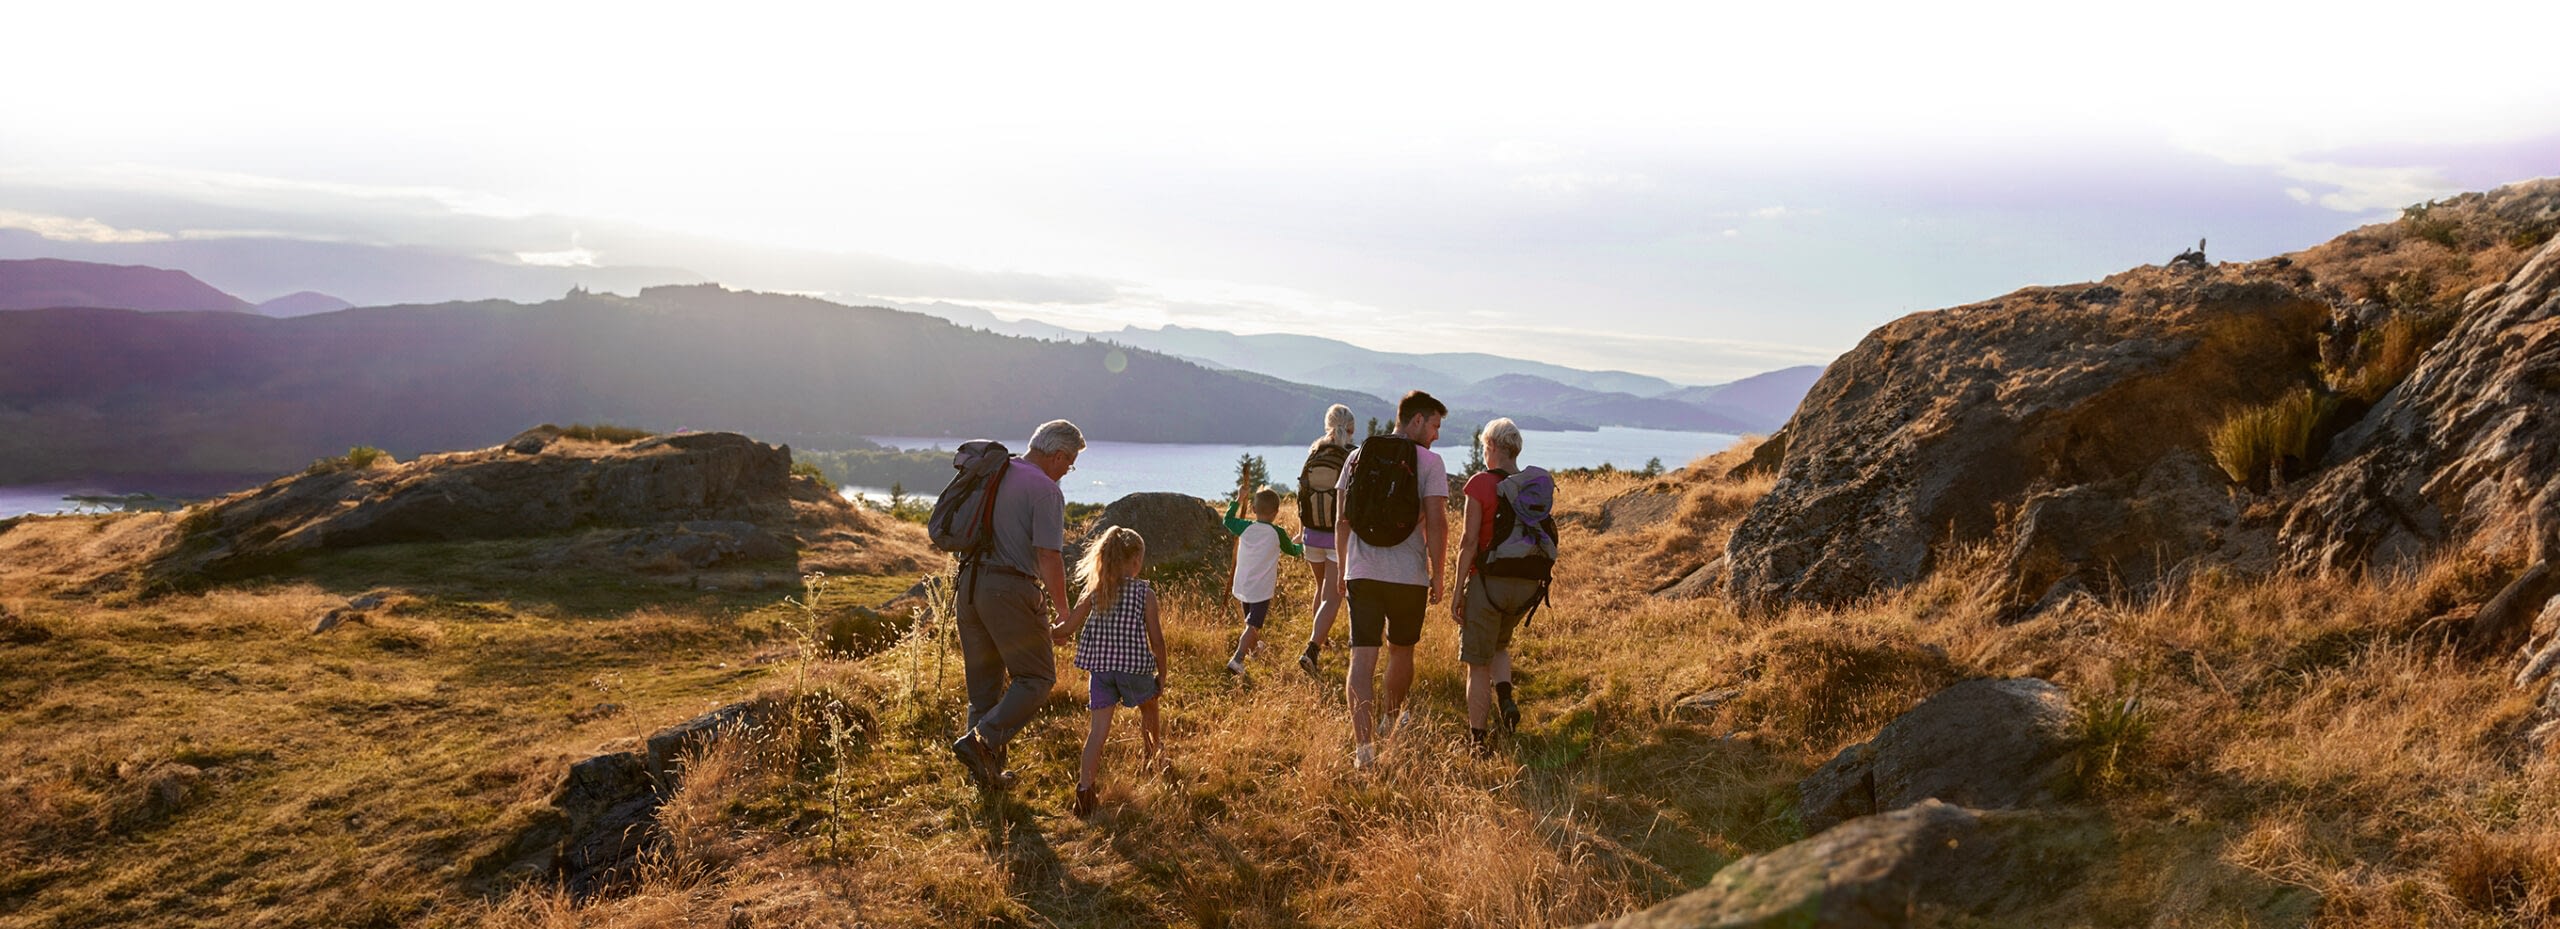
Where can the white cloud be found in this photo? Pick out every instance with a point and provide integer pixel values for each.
(1578, 183)
(2355, 189)
(1733, 233)
(572, 257)
(68, 229)
(1769, 212)
(1525, 152)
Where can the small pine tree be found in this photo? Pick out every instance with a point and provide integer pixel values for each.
(1373, 427)
(1251, 471)
(1475, 458)
(1653, 467)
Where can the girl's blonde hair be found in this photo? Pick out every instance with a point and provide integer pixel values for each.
(1094, 572)
(1339, 429)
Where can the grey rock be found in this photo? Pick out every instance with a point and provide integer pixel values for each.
(335, 618)
(1985, 744)
(1881, 871)
(2464, 449)
(1704, 705)
(1706, 581)
(496, 494)
(2126, 535)
(1939, 422)
(1180, 530)
(605, 812)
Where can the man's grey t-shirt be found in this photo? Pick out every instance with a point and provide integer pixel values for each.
(1030, 514)
(1406, 562)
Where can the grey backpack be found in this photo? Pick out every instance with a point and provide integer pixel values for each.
(963, 518)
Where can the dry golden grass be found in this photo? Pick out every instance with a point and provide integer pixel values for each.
(2275, 751)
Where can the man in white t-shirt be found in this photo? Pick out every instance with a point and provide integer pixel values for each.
(1392, 586)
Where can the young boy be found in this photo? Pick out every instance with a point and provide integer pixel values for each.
(1258, 548)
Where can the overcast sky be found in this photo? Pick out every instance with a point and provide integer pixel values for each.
(1689, 192)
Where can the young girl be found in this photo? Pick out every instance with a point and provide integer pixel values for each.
(1121, 648)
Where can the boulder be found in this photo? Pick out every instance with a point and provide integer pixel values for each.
(1985, 744)
(2463, 449)
(604, 816)
(495, 494)
(1181, 530)
(1938, 423)
(2125, 535)
(1881, 871)
(1706, 581)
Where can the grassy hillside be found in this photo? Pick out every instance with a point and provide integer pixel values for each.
(2286, 752)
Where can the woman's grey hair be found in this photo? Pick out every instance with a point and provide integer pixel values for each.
(1057, 437)
(1503, 434)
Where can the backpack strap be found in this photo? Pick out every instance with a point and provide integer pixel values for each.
(977, 555)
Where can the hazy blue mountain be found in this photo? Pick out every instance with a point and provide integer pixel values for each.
(41, 283)
(1516, 395)
(366, 275)
(96, 392)
(1303, 357)
(302, 303)
(1767, 400)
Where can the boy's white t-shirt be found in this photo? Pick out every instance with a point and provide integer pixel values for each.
(1257, 562)
(1406, 562)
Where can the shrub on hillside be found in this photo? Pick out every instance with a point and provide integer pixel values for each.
(2254, 443)
(2387, 354)
(356, 459)
(810, 471)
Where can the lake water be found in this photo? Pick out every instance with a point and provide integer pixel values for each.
(1105, 472)
(54, 497)
(1108, 471)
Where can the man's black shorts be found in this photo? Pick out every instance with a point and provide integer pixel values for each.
(1389, 607)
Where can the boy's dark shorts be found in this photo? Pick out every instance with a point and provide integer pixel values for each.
(1387, 607)
(1255, 613)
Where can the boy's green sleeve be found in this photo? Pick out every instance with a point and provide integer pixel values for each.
(1294, 549)
(1236, 526)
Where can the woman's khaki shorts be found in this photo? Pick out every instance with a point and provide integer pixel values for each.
(1494, 608)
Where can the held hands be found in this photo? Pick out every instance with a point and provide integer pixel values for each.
(1435, 590)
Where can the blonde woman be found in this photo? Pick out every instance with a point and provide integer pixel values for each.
(1317, 481)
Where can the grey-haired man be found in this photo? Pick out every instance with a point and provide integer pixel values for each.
(1004, 625)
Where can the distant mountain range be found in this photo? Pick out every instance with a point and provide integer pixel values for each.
(330, 398)
(1524, 390)
(44, 283)
(89, 392)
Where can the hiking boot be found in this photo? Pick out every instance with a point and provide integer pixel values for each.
(1307, 663)
(996, 762)
(1235, 665)
(1510, 713)
(1087, 798)
(973, 759)
(1364, 757)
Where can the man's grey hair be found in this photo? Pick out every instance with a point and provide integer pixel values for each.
(1057, 437)
(1503, 434)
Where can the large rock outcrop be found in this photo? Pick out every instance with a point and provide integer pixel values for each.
(1938, 423)
(2464, 449)
(1881, 871)
(666, 503)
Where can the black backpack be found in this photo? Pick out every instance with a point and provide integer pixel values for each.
(1383, 502)
(1317, 481)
